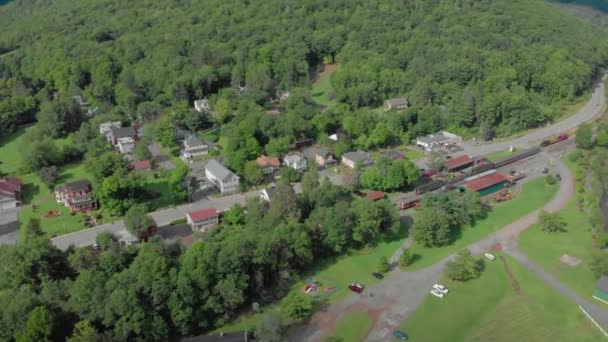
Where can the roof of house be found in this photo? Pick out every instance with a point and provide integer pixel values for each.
(374, 195)
(203, 214)
(265, 161)
(125, 140)
(221, 337)
(602, 284)
(397, 101)
(123, 132)
(201, 102)
(141, 165)
(105, 126)
(458, 162)
(485, 181)
(218, 170)
(75, 186)
(357, 156)
(194, 141)
(323, 152)
(9, 185)
(270, 191)
(293, 157)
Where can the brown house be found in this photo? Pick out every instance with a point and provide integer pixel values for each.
(78, 196)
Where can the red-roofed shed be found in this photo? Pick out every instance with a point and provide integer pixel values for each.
(487, 184)
(375, 195)
(142, 165)
(458, 163)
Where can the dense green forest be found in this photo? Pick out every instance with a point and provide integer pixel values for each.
(502, 66)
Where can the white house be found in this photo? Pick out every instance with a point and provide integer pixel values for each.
(203, 219)
(125, 145)
(106, 128)
(440, 139)
(295, 160)
(202, 106)
(224, 179)
(193, 147)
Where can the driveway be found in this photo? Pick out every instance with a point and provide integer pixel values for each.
(160, 159)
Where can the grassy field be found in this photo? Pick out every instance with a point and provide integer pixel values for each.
(491, 309)
(546, 249)
(354, 326)
(356, 266)
(10, 155)
(321, 89)
(500, 154)
(534, 195)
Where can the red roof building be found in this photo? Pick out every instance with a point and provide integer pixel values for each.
(269, 164)
(10, 192)
(203, 219)
(142, 165)
(374, 195)
(487, 184)
(458, 163)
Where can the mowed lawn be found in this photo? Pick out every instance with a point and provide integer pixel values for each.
(491, 309)
(321, 89)
(546, 248)
(10, 151)
(335, 273)
(534, 195)
(354, 326)
(500, 155)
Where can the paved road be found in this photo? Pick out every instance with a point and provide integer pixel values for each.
(590, 111)
(162, 218)
(397, 297)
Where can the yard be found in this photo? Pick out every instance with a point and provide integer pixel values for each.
(500, 307)
(321, 88)
(335, 273)
(534, 195)
(496, 156)
(354, 326)
(546, 249)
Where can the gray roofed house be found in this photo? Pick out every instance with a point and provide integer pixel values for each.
(193, 147)
(295, 160)
(222, 177)
(398, 103)
(323, 157)
(123, 132)
(350, 159)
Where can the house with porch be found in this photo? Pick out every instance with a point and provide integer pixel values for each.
(225, 180)
(78, 196)
(203, 219)
(192, 148)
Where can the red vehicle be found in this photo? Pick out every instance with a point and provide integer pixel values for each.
(415, 203)
(357, 288)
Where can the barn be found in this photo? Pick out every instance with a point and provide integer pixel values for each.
(488, 184)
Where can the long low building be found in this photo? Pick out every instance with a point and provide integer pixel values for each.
(487, 184)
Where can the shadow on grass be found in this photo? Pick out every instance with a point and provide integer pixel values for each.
(30, 191)
(64, 177)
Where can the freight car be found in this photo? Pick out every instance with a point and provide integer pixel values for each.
(517, 156)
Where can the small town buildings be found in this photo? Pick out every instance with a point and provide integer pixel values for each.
(202, 106)
(141, 165)
(350, 159)
(221, 177)
(601, 289)
(398, 103)
(106, 127)
(10, 193)
(193, 147)
(125, 145)
(203, 219)
(487, 184)
(441, 139)
(78, 196)
(458, 163)
(123, 132)
(323, 157)
(268, 164)
(295, 160)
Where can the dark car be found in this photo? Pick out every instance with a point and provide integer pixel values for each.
(378, 275)
(558, 177)
(357, 288)
(400, 335)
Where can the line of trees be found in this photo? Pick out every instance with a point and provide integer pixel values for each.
(154, 292)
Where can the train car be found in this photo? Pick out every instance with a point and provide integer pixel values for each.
(481, 168)
(520, 155)
(429, 187)
(409, 203)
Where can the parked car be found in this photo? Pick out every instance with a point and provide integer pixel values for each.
(357, 288)
(489, 256)
(558, 177)
(545, 170)
(436, 293)
(440, 288)
(400, 335)
(378, 275)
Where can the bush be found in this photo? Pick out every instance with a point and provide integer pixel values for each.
(464, 267)
(550, 180)
(383, 265)
(406, 258)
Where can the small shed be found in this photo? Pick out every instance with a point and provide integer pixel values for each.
(487, 184)
(601, 289)
(374, 196)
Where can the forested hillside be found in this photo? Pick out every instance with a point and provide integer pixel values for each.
(504, 65)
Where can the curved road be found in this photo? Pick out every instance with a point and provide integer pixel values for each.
(589, 112)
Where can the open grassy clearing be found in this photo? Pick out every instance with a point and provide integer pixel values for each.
(321, 88)
(354, 326)
(492, 309)
(355, 266)
(546, 248)
(500, 154)
(10, 155)
(534, 195)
